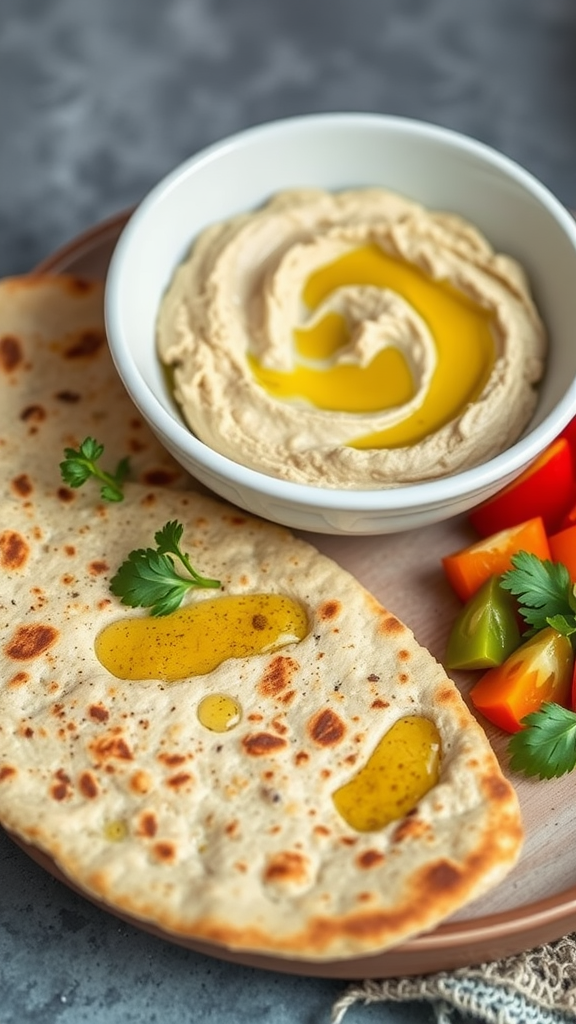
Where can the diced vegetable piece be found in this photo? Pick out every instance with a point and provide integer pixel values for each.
(563, 549)
(540, 670)
(546, 489)
(486, 629)
(468, 568)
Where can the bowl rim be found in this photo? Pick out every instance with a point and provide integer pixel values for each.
(431, 492)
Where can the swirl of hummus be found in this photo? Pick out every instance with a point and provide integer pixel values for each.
(236, 302)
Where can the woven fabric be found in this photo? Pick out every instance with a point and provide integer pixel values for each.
(537, 987)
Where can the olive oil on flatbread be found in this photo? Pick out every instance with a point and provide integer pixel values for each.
(230, 837)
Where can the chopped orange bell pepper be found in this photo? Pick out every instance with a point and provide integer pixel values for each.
(547, 489)
(563, 549)
(468, 568)
(539, 670)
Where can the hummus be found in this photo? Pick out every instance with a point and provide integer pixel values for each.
(351, 339)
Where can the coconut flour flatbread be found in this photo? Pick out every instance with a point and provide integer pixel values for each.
(235, 837)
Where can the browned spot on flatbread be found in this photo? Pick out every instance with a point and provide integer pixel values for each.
(19, 679)
(98, 712)
(22, 485)
(14, 550)
(86, 345)
(329, 610)
(33, 414)
(165, 851)
(110, 746)
(30, 642)
(289, 866)
(277, 676)
(179, 780)
(147, 825)
(159, 477)
(7, 772)
(88, 785)
(390, 625)
(65, 495)
(11, 354)
(61, 788)
(69, 397)
(379, 703)
(325, 728)
(369, 859)
(140, 783)
(261, 743)
(172, 760)
(98, 567)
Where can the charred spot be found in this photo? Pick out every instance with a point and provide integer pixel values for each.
(147, 825)
(61, 788)
(261, 743)
(287, 866)
(111, 747)
(329, 610)
(7, 772)
(88, 343)
(280, 727)
(19, 679)
(235, 520)
(232, 828)
(165, 851)
(80, 285)
(369, 859)
(301, 757)
(14, 550)
(22, 485)
(441, 877)
(404, 655)
(140, 783)
(403, 677)
(11, 354)
(379, 703)
(68, 397)
(98, 712)
(88, 786)
(28, 732)
(159, 477)
(373, 678)
(259, 621)
(135, 446)
(179, 780)
(390, 624)
(326, 728)
(411, 827)
(496, 788)
(172, 760)
(65, 495)
(33, 413)
(277, 676)
(98, 567)
(321, 830)
(70, 550)
(30, 642)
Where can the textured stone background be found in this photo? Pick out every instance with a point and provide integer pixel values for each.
(98, 99)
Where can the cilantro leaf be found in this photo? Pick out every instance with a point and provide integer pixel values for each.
(543, 589)
(148, 579)
(546, 747)
(81, 463)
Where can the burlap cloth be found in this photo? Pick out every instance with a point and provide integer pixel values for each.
(537, 987)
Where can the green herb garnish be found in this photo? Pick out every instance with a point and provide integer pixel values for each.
(544, 591)
(546, 747)
(148, 579)
(81, 464)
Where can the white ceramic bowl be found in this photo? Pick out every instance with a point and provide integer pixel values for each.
(437, 167)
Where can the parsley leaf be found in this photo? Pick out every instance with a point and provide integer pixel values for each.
(544, 591)
(546, 747)
(81, 463)
(148, 578)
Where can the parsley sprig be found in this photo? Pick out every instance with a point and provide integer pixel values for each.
(546, 745)
(148, 577)
(546, 595)
(80, 464)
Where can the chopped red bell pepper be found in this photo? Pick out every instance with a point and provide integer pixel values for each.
(547, 489)
(468, 568)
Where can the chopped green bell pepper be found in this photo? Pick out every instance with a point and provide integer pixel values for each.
(485, 631)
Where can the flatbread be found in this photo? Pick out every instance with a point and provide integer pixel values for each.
(230, 838)
(59, 384)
